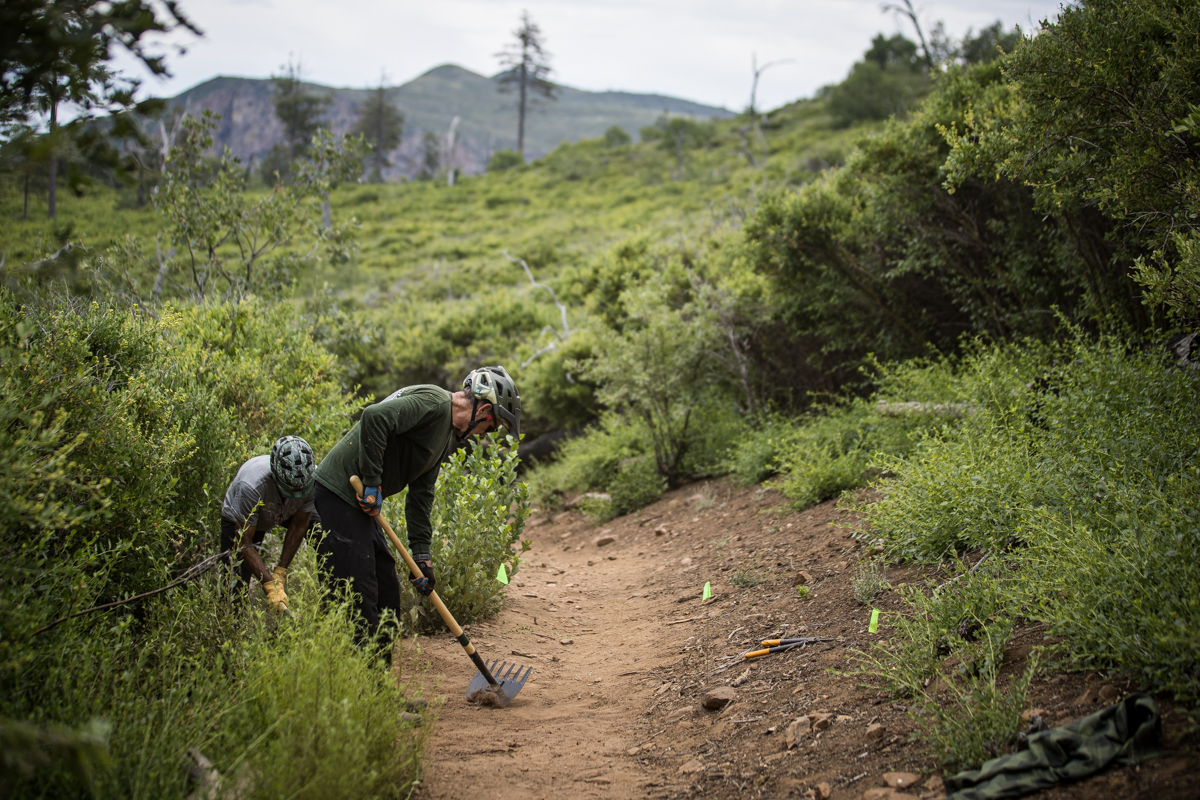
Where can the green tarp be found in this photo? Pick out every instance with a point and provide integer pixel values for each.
(1119, 734)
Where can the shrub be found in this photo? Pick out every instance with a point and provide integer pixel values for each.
(504, 159)
(479, 513)
(276, 706)
(870, 581)
(616, 136)
(1084, 479)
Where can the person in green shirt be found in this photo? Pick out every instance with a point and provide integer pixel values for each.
(400, 442)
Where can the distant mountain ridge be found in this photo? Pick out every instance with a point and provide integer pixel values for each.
(488, 118)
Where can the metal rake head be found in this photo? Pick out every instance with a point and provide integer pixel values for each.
(508, 683)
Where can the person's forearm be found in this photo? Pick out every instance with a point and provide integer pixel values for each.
(295, 535)
(251, 557)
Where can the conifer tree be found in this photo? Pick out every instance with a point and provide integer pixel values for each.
(382, 124)
(527, 71)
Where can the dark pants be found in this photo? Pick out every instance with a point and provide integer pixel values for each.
(354, 549)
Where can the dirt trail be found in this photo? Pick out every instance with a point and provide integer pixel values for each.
(623, 650)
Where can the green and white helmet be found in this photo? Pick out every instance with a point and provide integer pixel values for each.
(494, 385)
(293, 466)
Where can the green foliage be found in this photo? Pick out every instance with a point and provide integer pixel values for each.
(299, 111)
(637, 484)
(504, 159)
(479, 513)
(616, 136)
(657, 370)
(110, 412)
(1090, 119)
(874, 92)
(590, 462)
(1081, 458)
(276, 707)
(980, 721)
(381, 125)
(746, 579)
(226, 243)
(869, 582)
(120, 433)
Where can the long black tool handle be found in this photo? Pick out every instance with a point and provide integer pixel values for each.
(443, 612)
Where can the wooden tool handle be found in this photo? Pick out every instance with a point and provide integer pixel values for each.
(443, 612)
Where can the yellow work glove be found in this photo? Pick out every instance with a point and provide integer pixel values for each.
(274, 589)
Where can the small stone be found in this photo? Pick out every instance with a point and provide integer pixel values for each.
(633, 751)
(934, 784)
(718, 698)
(692, 767)
(900, 780)
(802, 579)
(740, 679)
(1029, 713)
(612, 558)
(554, 658)
(840, 566)
(685, 561)
(685, 724)
(1109, 694)
(601, 541)
(797, 731)
(875, 731)
(823, 791)
(844, 718)
(884, 793)
(821, 721)
(590, 562)
(567, 641)
(681, 713)
(770, 730)
(1088, 698)
(661, 530)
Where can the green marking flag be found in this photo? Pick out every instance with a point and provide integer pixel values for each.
(707, 591)
(874, 626)
(502, 575)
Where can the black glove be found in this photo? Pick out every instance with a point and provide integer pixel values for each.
(424, 584)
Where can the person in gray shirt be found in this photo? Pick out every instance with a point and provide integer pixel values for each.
(270, 490)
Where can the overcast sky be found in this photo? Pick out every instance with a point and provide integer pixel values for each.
(695, 49)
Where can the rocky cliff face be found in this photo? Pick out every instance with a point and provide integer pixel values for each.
(488, 118)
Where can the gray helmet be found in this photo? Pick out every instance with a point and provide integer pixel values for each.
(293, 466)
(494, 385)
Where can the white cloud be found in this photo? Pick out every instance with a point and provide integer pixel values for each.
(697, 49)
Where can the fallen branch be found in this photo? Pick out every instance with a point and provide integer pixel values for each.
(194, 571)
(681, 621)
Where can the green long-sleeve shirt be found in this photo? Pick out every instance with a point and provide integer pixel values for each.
(399, 442)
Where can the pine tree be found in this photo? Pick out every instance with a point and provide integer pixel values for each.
(382, 124)
(301, 113)
(527, 71)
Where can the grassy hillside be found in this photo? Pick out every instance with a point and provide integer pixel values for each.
(429, 102)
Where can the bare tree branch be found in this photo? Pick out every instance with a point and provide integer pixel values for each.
(562, 310)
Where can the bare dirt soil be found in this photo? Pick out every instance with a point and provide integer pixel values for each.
(623, 650)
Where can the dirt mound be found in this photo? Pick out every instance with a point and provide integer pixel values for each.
(625, 650)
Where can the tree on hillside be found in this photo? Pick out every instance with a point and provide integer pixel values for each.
(55, 52)
(301, 113)
(678, 135)
(890, 80)
(527, 72)
(381, 123)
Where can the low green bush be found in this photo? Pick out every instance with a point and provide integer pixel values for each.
(588, 463)
(119, 431)
(478, 516)
(1075, 475)
(278, 706)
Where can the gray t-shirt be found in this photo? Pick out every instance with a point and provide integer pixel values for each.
(254, 484)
